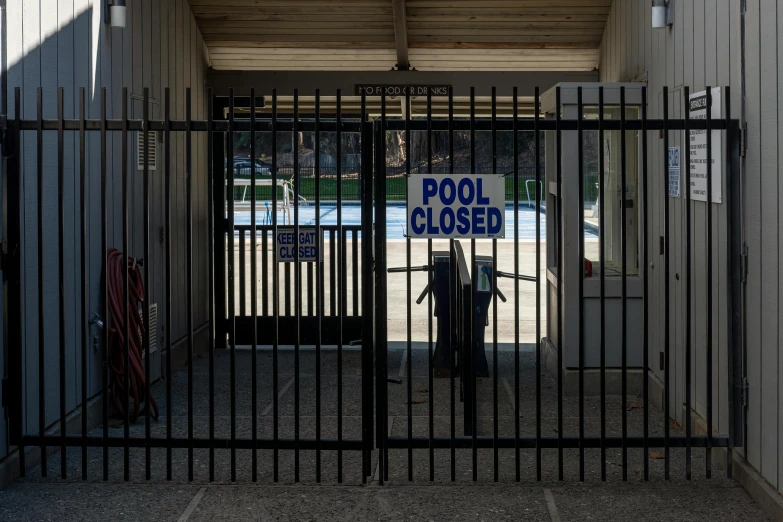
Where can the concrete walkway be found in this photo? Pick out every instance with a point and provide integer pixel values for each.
(196, 502)
(52, 498)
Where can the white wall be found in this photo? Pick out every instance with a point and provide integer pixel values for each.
(703, 48)
(66, 43)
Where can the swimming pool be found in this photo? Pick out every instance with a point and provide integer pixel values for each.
(396, 219)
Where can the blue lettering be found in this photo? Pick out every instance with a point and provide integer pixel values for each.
(448, 183)
(430, 189)
(494, 219)
(463, 198)
(481, 200)
(447, 228)
(463, 216)
(478, 220)
(431, 227)
(417, 228)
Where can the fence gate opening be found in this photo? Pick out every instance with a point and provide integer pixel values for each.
(507, 287)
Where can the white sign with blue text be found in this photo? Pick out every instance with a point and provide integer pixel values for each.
(308, 245)
(456, 205)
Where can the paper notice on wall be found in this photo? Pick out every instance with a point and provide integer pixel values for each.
(698, 147)
(674, 172)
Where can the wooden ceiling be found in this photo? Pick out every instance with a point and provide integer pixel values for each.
(426, 35)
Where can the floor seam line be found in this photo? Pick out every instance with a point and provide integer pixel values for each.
(551, 506)
(191, 507)
(279, 397)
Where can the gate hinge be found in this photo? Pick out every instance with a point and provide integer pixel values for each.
(745, 391)
(744, 264)
(743, 139)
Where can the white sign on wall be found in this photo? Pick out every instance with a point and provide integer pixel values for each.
(698, 147)
(452, 206)
(674, 172)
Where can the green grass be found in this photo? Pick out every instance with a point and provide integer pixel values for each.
(395, 190)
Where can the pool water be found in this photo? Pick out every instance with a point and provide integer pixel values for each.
(396, 217)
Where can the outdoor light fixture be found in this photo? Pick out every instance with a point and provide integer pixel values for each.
(115, 13)
(661, 13)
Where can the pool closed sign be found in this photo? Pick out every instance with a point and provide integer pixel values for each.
(456, 205)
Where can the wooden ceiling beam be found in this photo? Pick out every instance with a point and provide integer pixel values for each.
(401, 34)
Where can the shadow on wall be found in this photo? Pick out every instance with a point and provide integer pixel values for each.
(75, 49)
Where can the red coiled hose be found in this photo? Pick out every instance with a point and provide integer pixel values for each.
(116, 266)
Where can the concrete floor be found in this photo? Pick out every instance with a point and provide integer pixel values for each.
(36, 498)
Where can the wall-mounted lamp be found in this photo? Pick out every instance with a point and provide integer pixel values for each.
(115, 13)
(662, 13)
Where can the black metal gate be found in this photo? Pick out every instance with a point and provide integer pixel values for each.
(276, 326)
(511, 442)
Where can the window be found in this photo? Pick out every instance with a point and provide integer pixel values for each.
(609, 153)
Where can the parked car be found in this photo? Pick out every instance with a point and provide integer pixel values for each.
(242, 166)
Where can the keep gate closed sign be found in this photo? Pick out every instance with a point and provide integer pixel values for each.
(456, 206)
(306, 243)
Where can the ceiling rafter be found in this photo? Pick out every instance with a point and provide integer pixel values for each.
(401, 34)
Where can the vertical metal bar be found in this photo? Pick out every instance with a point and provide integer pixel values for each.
(61, 276)
(581, 196)
(645, 266)
(211, 268)
(11, 199)
(41, 323)
(85, 271)
(318, 285)
(408, 302)
(686, 101)
(452, 299)
(366, 219)
(623, 286)
(380, 252)
(310, 311)
(265, 271)
(537, 137)
(147, 288)
(473, 342)
(105, 291)
(708, 456)
(729, 270)
(231, 291)
(167, 174)
(332, 274)
(430, 261)
(287, 284)
(167, 171)
(495, 428)
(253, 288)
(602, 282)
(666, 396)
(355, 271)
(242, 273)
(275, 297)
(560, 277)
(515, 152)
(340, 286)
(297, 284)
(126, 189)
